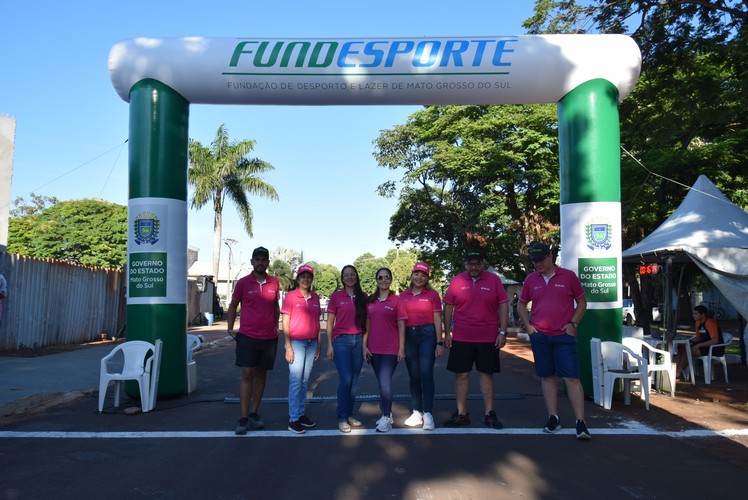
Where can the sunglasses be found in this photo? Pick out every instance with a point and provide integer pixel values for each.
(383, 278)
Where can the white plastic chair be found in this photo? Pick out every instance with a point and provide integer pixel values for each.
(596, 357)
(155, 372)
(193, 344)
(618, 362)
(651, 353)
(711, 358)
(137, 358)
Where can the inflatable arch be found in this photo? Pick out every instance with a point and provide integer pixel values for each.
(586, 75)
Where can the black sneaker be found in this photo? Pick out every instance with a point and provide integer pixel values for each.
(582, 432)
(296, 427)
(241, 427)
(255, 422)
(490, 420)
(553, 425)
(307, 422)
(457, 420)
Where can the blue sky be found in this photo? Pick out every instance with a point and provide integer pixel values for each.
(71, 125)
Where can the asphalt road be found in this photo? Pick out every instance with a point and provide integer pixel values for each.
(186, 448)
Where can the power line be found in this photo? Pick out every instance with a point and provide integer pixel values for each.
(651, 173)
(122, 147)
(77, 168)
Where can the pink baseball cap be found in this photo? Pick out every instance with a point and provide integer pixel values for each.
(304, 268)
(423, 267)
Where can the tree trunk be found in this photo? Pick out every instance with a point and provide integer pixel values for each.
(217, 227)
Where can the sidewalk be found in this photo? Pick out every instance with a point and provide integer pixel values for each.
(27, 383)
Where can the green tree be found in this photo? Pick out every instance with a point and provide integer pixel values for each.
(687, 114)
(326, 279)
(282, 270)
(294, 258)
(474, 176)
(22, 208)
(225, 171)
(367, 266)
(89, 232)
(401, 264)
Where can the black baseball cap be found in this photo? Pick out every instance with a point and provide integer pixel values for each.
(473, 254)
(538, 251)
(260, 251)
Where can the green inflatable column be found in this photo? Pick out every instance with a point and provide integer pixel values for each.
(590, 177)
(157, 228)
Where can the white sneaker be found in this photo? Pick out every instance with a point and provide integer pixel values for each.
(384, 424)
(428, 422)
(415, 419)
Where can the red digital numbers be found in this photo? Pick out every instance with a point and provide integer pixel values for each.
(645, 269)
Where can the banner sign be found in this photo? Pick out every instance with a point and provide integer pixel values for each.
(156, 256)
(525, 69)
(591, 236)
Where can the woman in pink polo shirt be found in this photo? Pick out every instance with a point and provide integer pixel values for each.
(423, 343)
(384, 340)
(346, 320)
(300, 312)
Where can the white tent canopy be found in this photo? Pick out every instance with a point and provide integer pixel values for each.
(713, 232)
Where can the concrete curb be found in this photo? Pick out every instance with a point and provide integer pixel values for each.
(40, 402)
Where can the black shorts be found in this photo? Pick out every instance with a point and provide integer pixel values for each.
(251, 352)
(463, 355)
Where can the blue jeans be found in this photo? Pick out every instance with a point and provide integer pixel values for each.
(298, 375)
(349, 359)
(384, 367)
(420, 356)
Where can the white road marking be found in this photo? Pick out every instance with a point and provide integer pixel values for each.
(633, 430)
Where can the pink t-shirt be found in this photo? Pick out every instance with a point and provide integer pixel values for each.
(258, 301)
(421, 307)
(304, 315)
(383, 315)
(343, 306)
(476, 306)
(552, 302)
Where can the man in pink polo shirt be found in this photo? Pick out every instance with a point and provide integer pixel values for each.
(478, 304)
(558, 305)
(257, 338)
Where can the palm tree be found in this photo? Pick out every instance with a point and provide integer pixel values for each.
(224, 171)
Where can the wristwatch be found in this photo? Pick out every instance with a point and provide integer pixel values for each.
(441, 342)
(572, 324)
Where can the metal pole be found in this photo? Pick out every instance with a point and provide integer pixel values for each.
(229, 242)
